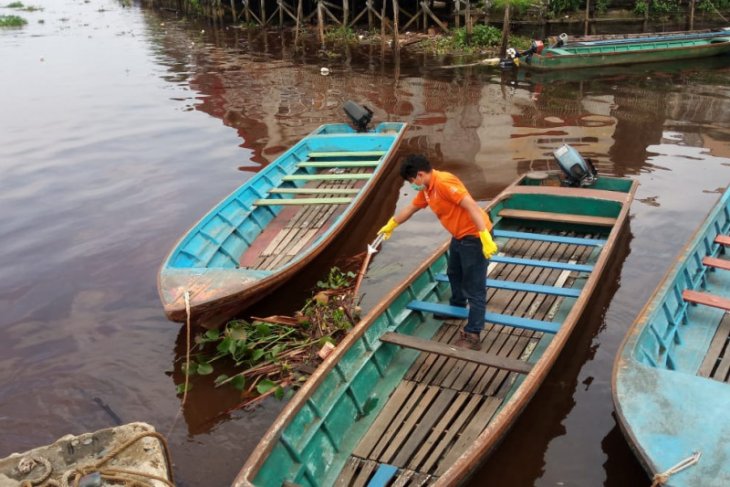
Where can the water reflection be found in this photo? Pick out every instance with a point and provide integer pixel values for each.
(150, 120)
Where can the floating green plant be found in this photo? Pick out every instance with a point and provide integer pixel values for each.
(12, 21)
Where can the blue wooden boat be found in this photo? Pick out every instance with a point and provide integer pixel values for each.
(397, 403)
(670, 379)
(275, 223)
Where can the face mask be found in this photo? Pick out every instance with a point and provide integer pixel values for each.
(418, 187)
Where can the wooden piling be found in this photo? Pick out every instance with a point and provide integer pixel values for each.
(320, 21)
(396, 43)
(587, 19)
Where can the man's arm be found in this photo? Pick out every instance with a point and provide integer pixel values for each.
(476, 214)
(407, 212)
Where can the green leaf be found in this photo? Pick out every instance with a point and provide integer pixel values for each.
(265, 386)
(257, 354)
(279, 393)
(221, 378)
(227, 345)
(263, 329)
(205, 369)
(189, 369)
(239, 382)
(180, 388)
(212, 335)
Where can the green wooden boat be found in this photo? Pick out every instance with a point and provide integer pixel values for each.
(611, 54)
(397, 403)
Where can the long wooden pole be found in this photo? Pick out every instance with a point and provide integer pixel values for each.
(587, 21)
(691, 14)
(320, 22)
(396, 43)
(345, 13)
(505, 31)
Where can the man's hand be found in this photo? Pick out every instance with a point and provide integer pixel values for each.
(388, 228)
(489, 248)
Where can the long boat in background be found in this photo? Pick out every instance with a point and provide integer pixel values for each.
(597, 40)
(670, 378)
(278, 221)
(397, 403)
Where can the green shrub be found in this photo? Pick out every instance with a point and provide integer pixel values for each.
(481, 36)
(12, 21)
(557, 7)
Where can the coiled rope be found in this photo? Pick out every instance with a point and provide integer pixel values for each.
(662, 478)
(73, 476)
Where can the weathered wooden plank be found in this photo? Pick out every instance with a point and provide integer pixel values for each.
(716, 348)
(456, 352)
(302, 201)
(600, 221)
(364, 475)
(343, 164)
(527, 287)
(723, 239)
(384, 419)
(423, 427)
(706, 299)
(408, 422)
(326, 177)
(371, 153)
(717, 263)
(348, 472)
(320, 191)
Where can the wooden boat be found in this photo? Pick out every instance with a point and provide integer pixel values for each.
(670, 379)
(397, 403)
(276, 222)
(594, 40)
(610, 54)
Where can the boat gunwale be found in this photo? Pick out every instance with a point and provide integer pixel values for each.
(247, 294)
(501, 422)
(625, 354)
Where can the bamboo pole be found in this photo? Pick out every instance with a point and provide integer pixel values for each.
(300, 14)
(587, 20)
(369, 5)
(233, 11)
(262, 12)
(382, 24)
(505, 31)
(281, 14)
(691, 14)
(345, 13)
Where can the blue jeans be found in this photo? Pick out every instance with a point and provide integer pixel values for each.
(467, 271)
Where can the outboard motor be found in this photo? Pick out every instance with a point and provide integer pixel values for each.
(359, 115)
(578, 171)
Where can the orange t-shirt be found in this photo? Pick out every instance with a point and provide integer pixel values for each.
(443, 195)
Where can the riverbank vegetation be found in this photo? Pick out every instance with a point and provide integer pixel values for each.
(12, 21)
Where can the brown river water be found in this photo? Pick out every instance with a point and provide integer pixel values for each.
(119, 128)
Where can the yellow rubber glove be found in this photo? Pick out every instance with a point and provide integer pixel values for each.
(388, 228)
(489, 248)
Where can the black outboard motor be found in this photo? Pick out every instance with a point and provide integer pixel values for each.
(578, 171)
(359, 115)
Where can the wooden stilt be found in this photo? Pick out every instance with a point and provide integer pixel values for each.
(345, 12)
(691, 14)
(369, 5)
(281, 14)
(467, 21)
(396, 42)
(262, 12)
(300, 11)
(505, 32)
(382, 24)
(320, 21)
(587, 22)
(233, 10)
(457, 13)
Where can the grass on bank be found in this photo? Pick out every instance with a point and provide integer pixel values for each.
(12, 21)
(24, 8)
(484, 38)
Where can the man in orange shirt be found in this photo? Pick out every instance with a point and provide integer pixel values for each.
(471, 243)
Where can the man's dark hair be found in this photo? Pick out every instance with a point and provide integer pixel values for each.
(412, 164)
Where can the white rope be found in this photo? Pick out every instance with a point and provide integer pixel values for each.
(663, 478)
(187, 346)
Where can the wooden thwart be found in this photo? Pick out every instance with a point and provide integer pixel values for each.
(717, 263)
(326, 177)
(315, 190)
(457, 352)
(707, 299)
(338, 164)
(723, 239)
(376, 153)
(558, 217)
(302, 201)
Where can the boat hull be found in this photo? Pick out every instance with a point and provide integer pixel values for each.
(669, 400)
(373, 407)
(265, 231)
(613, 55)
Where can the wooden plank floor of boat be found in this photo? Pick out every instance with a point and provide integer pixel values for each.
(296, 227)
(716, 364)
(442, 404)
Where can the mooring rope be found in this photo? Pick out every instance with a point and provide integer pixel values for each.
(27, 464)
(662, 478)
(187, 346)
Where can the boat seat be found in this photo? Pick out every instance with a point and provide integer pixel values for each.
(567, 292)
(600, 221)
(314, 190)
(376, 153)
(723, 239)
(326, 177)
(458, 353)
(496, 318)
(339, 163)
(548, 264)
(302, 201)
(542, 237)
(716, 263)
(707, 299)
